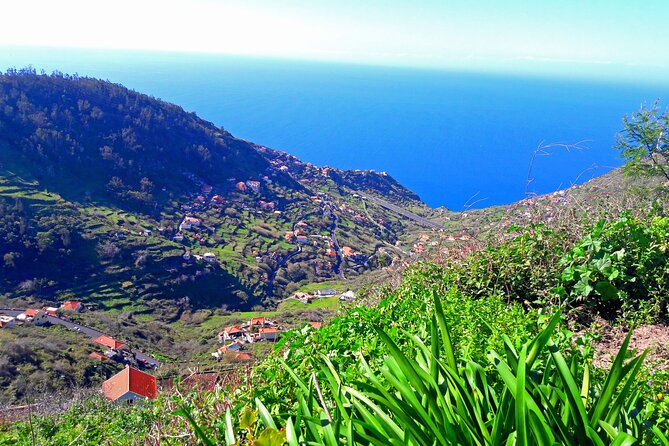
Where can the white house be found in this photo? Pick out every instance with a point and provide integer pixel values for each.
(6, 321)
(348, 295)
(189, 223)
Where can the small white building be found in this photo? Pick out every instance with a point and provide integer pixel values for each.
(189, 223)
(6, 321)
(347, 296)
(209, 257)
(326, 292)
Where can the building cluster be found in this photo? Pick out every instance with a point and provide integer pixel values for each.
(257, 329)
(39, 316)
(307, 298)
(118, 351)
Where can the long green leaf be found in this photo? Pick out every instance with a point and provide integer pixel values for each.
(521, 406)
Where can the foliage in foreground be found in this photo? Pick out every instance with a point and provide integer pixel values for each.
(345, 380)
(619, 269)
(429, 397)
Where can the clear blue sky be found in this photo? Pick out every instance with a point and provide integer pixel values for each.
(617, 37)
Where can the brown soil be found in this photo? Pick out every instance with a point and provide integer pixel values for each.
(655, 338)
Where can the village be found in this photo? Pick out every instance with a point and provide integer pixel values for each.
(134, 382)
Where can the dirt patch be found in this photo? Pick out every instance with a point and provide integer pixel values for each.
(655, 338)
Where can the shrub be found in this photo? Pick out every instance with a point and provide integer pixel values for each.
(621, 269)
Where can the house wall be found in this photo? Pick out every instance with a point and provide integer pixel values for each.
(40, 319)
(130, 397)
(269, 336)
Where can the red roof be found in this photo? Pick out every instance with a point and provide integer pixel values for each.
(269, 330)
(109, 342)
(130, 380)
(32, 312)
(100, 356)
(233, 329)
(70, 305)
(316, 325)
(258, 321)
(243, 357)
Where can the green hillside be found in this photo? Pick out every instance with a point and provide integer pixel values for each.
(541, 322)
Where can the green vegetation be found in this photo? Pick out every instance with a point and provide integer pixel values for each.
(494, 340)
(32, 366)
(644, 142)
(429, 361)
(427, 397)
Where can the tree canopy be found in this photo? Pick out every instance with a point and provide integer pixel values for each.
(644, 142)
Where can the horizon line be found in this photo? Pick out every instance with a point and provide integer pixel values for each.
(533, 67)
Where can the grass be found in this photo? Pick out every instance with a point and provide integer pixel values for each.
(323, 303)
(338, 285)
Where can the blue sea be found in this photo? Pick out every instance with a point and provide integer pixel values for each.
(452, 137)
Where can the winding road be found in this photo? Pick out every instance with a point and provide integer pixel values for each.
(86, 330)
(402, 211)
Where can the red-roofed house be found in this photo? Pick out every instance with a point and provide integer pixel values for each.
(302, 239)
(100, 356)
(51, 311)
(129, 385)
(189, 223)
(268, 334)
(235, 346)
(111, 343)
(316, 325)
(253, 185)
(233, 332)
(72, 305)
(257, 321)
(38, 317)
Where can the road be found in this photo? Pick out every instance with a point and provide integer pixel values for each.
(280, 264)
(86, 330)
(403, 212)
(333, 238)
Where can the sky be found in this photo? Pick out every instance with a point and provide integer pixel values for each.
(560, 36)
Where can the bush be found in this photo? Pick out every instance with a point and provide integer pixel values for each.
(621, 269)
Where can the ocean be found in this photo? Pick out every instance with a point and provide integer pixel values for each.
(455, 138)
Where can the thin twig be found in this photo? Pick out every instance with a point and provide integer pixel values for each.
(542, 150)
(320, 396)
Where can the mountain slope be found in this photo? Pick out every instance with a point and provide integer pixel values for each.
(97, 181)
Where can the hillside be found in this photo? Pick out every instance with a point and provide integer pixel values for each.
(97, 180)
(162, 223)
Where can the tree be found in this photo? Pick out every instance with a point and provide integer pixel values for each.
(146, 185)
(644, 142)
